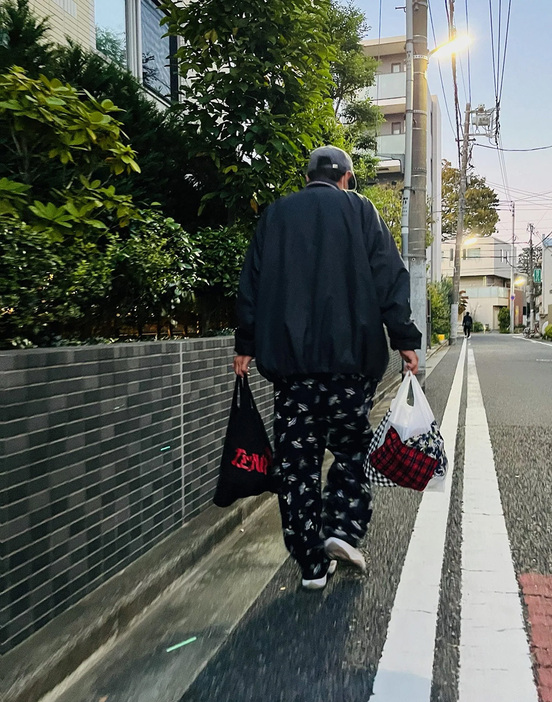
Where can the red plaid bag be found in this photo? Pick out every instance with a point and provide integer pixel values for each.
(403, 465)
(407, 449)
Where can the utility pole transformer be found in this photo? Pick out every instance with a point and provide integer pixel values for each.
(460, 229)
(418, 196)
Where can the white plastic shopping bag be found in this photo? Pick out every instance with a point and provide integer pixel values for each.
(411, 419)
(407, 448)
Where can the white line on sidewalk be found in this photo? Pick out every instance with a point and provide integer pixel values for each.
(406, 665)
(495, 665)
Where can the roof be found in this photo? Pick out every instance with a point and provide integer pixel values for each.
(385, 46)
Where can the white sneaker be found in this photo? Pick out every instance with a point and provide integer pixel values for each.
(319, 583)
(337, 548)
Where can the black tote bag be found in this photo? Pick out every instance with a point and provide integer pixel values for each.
(246, 465)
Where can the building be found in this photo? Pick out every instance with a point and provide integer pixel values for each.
(485, 276)
(546, 303)
(389, 93)
(125, 31)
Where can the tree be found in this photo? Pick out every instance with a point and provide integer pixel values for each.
(255, 92)
(524, 266)
(222, 254)
(439, 295)
(504, 320)
(23, 40)
(481, 215)
(168, 175)
(388, 201)
(111, 45)
(58, 149)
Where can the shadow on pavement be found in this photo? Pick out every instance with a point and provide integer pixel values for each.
(295, 649)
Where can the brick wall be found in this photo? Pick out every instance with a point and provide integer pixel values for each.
(105, 451)
(95, 468)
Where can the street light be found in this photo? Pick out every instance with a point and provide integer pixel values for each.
(452, 46)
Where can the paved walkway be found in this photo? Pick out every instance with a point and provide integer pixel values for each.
(439, 617)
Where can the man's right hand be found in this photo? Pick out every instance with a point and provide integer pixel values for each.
(241, 365)
(410, 359)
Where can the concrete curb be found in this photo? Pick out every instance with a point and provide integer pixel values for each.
(49, 656)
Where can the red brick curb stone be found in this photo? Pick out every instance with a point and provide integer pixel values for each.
(537, 593)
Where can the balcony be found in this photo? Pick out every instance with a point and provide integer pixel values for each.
(389, 86)
(391, 144)
(490, 291)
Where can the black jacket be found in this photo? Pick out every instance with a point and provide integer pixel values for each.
(321, 276)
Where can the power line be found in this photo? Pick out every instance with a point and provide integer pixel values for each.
(493, 49)
(499, 148)
(452, 34)
(505, 49)
(469, 55)
(440, 72)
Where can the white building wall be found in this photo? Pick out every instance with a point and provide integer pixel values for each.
(389, 93)
(546, 310)
(484, 275)
(434, 187)
(68, 18)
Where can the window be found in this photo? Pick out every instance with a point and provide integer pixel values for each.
(111, 40)
(473, 253)
(451, 255)
(396, 127)
(396, 67)
(129, 33)
(157, 72)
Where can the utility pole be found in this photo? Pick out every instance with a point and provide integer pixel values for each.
(418, 197)
(460, 229)
(513, 269)
(531, 301)
(407, 185)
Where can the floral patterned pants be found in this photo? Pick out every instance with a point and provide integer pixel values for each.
(311, 415)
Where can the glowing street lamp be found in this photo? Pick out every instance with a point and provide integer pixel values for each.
(453, 46)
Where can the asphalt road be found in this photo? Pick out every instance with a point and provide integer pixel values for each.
(261, 639)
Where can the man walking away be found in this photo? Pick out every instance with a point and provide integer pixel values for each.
(467, 323)
(321, 278)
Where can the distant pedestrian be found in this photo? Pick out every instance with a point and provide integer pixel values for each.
(321, 278)
(467, 323)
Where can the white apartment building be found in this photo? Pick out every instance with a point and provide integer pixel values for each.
(485, 276)
(127, 31)
(389, 93)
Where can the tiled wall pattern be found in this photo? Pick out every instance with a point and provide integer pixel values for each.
(104, 451)
(91, 445)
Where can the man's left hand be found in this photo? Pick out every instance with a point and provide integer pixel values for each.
(241, 365)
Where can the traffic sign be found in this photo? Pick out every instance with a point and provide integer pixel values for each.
(537, 275)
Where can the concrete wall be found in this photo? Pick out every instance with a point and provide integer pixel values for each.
(106, 450)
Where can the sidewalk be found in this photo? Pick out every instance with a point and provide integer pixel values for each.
(156, 602)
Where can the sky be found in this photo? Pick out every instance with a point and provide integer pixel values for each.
(526, 98)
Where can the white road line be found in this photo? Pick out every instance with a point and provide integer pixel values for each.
(406, 665)
(495, 664)
(535, 341)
